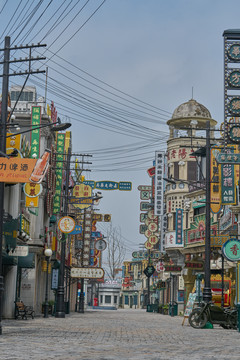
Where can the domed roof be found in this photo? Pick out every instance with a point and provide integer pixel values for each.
(191, 109)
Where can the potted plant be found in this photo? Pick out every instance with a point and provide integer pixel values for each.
(160, 308)
(165, 309)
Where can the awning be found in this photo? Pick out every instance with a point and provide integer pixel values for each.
(27, 261)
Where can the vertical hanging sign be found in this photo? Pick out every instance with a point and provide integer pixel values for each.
(35, 133)
(215, 188)
(179, 226)
(228, 182)
(59, 171)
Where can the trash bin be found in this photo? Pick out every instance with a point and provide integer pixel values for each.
(173, 308)
(150, 308)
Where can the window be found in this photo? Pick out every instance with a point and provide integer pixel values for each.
(174, 221)
(108, 299)
(192, 171)
(176, 170)
(25, 96)
(101, 299)
(115, 299)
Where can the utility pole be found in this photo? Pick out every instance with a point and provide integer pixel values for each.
(3, 128)
(207, 293)
(60, 307)
(3, 123)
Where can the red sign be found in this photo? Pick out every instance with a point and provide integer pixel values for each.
(151, 171)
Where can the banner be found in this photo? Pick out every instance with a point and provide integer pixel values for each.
(228, 182)
(35, 134)
(59, 170)
(215, 176)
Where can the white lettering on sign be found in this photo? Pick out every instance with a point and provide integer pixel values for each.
(87, 273)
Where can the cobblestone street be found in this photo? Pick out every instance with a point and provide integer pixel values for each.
(110, 335)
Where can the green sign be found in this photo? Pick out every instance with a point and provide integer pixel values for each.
(231, 250)
(149, 271)
(226, 158)
(35, 133)
(59, 169)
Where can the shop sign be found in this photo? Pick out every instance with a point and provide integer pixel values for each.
(66, 224)
(198, 203)
(60, 145)
(228, 182)
(194, 265)
(231, 250)
(143, 229)
(148, 245)
(219, 240)
(32, 202)
(144, 206)
(234, 130)
(13, 141)
(144, 187)
(151, 171)
(227, 219)
(215, 175)
(32, 190)
(179, 226)
(143, 217)
(80, 192)
(159, 174)
(76, 230)
(19, 251)
(145, 195)
(149, 271)
(152, 226)
(87, 273)
(54, 279)
(153, 239)
(16, 170)
(173, 268)
(35, 133)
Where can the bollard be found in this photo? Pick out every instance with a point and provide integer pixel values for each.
(238, 316)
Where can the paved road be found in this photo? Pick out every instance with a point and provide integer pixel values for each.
(111, 335)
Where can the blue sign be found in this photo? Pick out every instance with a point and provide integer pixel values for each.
(89, 183)
(76, 230)
(106, 185)
(96, 234)
(125, 185)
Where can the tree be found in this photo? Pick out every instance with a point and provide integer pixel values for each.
(115, 251)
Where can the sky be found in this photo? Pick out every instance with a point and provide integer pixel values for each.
(117, 69)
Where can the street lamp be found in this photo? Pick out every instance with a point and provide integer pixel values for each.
(48, 254)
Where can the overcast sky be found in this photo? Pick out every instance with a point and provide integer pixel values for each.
(117, 72)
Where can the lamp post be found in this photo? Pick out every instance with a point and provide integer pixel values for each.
(48, 254)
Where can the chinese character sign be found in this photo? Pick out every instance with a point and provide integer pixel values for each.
(228, 183)
(179, 221)
(231, 250)
(35, 133)
(59, 161)
(215, 175)
(159, 174)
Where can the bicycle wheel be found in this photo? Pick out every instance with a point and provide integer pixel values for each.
(197, 319)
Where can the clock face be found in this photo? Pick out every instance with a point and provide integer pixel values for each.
(234, 78)
(234, 106)
(234, 52)
(181, 185)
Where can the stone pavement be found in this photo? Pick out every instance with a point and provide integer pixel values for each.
(110, 335)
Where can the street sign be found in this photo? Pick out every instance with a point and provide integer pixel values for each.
(149, 271)
(87, 273)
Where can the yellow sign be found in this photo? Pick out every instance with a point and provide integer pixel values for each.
(66, 224)
(148, 245)
(82, 191)
(32, 190)
(218, 241)
(13, 141)
(31, 202)
(215, 184)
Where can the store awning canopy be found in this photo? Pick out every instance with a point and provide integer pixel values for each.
(27, 261)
